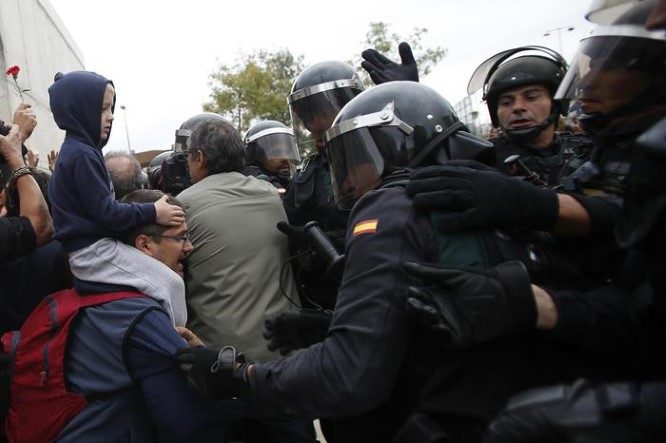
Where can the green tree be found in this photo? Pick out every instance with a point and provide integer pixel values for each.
(254, 88)
(380, 37)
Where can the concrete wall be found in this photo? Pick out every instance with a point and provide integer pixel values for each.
(33, 37)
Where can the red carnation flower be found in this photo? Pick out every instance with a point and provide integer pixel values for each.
(13, 71)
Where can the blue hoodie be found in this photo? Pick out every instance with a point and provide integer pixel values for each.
(84, 208)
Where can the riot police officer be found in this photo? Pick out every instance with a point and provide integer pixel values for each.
(518, 89)
(155, 168)
(317, 95)
(622, 68)
(271, 153)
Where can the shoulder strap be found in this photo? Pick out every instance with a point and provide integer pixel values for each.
(98, 299)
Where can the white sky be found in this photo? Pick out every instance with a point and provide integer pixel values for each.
(159, 53)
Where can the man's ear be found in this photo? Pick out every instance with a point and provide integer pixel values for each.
(201, 159)
(142, 243)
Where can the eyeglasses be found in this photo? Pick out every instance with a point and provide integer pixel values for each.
(184, 239)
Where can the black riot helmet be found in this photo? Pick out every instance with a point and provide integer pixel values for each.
(154, 169)
(185, 130)
(268, 141)
(619, 71)
(174, 173)
(390, 128)
(317, 95)
(501, 73)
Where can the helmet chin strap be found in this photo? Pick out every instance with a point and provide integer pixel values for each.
(526, 135)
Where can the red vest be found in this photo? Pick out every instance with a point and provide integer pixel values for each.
(40, 405)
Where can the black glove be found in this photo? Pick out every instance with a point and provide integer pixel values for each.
(383, 70)
(580, 413)
(295, 234)
(473, 195)
(296, 330)
(464, 306)
(218, 373)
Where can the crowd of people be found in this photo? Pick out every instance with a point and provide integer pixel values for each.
(407, 281)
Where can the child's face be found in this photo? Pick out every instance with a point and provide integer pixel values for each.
(107, 113)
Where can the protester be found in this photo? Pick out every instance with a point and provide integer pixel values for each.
(124, 171)
(33, 225)
(236, 275)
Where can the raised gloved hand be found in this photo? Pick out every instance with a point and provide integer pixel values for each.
(218, 373)
(581, 413)
(465, 306)
(473, 195)
(296, 330)
(382, 69)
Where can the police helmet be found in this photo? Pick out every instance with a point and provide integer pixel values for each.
(174, 174)
(501, 73)
(270, 140)
(185, 130)
(619, 70)
(389, 128)
(154, 168)
(317, 95)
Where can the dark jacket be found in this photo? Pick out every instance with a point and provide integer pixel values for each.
(84, 209)
(310, 196)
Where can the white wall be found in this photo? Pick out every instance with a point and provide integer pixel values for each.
(33, 37)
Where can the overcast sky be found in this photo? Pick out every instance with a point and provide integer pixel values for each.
(159, 53)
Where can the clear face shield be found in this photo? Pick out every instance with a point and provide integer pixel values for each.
(353, 151)
(276, 150)
(612, 68)
(182, 135)
(313, 109)
(605, 12)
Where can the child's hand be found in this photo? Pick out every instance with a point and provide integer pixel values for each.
(168, 214)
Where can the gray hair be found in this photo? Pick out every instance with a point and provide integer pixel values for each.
(125, 180)
(221, 144)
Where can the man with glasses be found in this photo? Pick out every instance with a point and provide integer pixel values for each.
(119, 357)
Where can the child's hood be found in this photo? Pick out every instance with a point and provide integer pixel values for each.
(76, 103)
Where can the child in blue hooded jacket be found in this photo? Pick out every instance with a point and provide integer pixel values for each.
(86, 215)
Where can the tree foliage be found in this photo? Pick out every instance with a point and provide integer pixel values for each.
(254, 88)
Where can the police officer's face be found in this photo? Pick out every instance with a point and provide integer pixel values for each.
(107, 113)
(360, 179)
(278, 166)
(318, 125)
(606, 89)
(524, 107)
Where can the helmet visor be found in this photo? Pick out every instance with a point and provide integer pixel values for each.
(612, 68)
(275, 144)
(356, 166)
(605, 12)
(313, 114)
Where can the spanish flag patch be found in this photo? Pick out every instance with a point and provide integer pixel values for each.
(366, 227)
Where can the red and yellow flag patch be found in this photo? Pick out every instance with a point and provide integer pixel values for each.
(366, 227)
